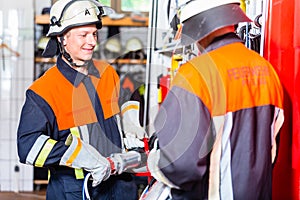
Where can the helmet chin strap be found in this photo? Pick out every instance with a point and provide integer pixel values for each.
(70, 60)
(68, 56)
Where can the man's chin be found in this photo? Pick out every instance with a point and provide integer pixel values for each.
(85, 59)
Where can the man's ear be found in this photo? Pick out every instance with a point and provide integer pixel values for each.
(61, 40)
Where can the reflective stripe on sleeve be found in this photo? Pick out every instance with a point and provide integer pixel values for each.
(79, 173)
(75, 153)
(84, 133)
(45, 152)
(81, 132)
(40, 151)
(75, 131)
(36, 148)
(85, 136)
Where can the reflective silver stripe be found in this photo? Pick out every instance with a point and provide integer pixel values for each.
(36, 148)
(43, 155)
(214, 169)
(84, 133)
(226, 191)
(275, 127)
(277, 123)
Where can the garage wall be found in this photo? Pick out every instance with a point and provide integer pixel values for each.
(16, 67)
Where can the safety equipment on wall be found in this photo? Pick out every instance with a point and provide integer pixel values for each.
(164, 86)
(173, 14)
(116, 16)
(200, 18)
(258, 21)
(255, 41)
(130, 120)
(251, 40)
(82, 155)
(243, 5)
(175, 23)
(112, 48)
(165, 81)
(176, 59)
(138, 17)
(133, 44)
(134, 49)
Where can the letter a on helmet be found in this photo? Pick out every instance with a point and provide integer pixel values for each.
(66, 14)
(201, 17)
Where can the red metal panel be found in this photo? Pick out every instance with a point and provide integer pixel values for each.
(296, 102)
(282, 49)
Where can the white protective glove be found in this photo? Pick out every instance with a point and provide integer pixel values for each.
(130, 142)
(134, 132)
(152, 162)
(121, 162)
(82, 155)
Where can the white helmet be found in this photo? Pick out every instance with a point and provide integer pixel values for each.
(65, 14)
(201, 17)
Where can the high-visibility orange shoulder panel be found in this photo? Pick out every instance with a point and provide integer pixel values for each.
(72, 106)
(221, 79)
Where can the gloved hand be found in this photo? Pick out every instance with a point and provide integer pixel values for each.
(152, 163)
(131, 142)
(131, 125)
(124, 161)
(82, 155)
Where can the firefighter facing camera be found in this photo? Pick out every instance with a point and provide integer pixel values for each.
(70, 121)
(216, 129)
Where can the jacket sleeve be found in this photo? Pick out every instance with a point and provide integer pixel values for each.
(185, 139)
(39, 141)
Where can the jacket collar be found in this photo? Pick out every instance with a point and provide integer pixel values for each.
(222, 41)
(74, 76)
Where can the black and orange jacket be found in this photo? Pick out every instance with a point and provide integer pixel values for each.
(58, 101)
(217, 126)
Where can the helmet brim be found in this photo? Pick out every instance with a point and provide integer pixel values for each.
(98, 24)
(68, 13)
(201, 25)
